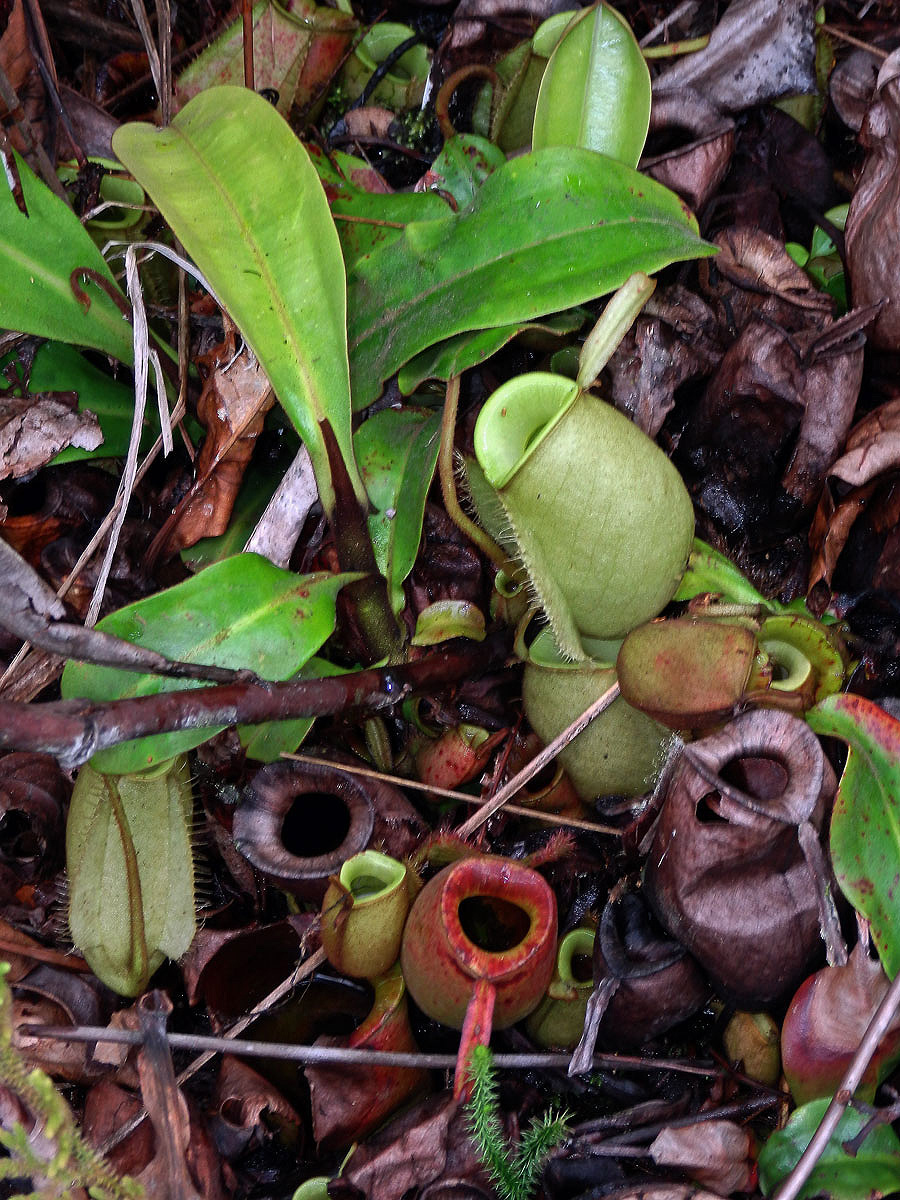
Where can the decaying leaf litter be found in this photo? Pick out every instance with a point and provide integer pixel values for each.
(705, 875)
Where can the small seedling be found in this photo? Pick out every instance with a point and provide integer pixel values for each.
(514, 1176)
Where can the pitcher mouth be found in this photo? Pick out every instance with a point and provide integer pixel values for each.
(516, 418)
(496, 920)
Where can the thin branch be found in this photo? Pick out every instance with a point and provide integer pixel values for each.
(875, 1031)
(854, 41)
(518, 810)
(537, 764)
(346, 1055)
(74, 730)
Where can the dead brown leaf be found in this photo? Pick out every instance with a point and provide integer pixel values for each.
(695, 168)
(873, 446)
(18, 62)
(873, 222)
(675, 339)
(718, 1154)
(763, 278)
(428, 1143)
(34, 428)
(49, 996)
(852, 86)
(247, 1108)
(771, 422)
(236, 397)
(761, 49)
(828, 536)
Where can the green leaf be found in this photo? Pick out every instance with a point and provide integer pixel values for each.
(397, 451)
(873, 1171)
(60, 368)
(241, 613)
(865, 824)
(240, 192)
(466, 350)
(547, 231)
(38, 254)
(463, 165)
(595, 91)
(368, 218)
(131, 872)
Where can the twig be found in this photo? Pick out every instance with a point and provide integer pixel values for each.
(537, 764)
(141, 340)
(463, 798)
(853, 41)
(686, 9)
(74, 730)
(247, 40)
(875, 1031)
(345, 1055)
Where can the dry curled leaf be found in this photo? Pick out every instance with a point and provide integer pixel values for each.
(873, 222)
(761, 49)
(771, 422)
(21, 69)
(718, 1154)
(49, 996)
(247, 1106)
(35, 427)
(697, 166)
(872, 447)
(236, 397)
(852, 85)
(763, 278)
(675, 339)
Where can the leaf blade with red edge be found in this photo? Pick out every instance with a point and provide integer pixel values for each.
(865, 825)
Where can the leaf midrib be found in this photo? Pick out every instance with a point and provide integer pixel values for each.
(251, 242)
(389, 314)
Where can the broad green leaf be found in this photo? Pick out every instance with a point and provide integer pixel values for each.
(240, 192)
(873, 1171)
(365, 216)
(462, 166)
(60, 368)
(130, 867)
(38, 254)
(297, 48)
(595, 91)
(397, 451)
(865, 824)
(467, 350)
(241, 613)
(547, 231)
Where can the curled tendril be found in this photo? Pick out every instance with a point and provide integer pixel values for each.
(84, 273)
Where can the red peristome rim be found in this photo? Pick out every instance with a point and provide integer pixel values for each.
(503, 880)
